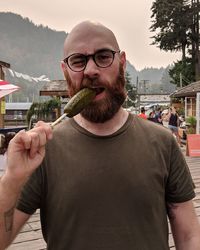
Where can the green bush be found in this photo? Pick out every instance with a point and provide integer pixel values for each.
(191, 121)
(43, 110)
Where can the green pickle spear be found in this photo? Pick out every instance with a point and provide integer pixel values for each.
(76, 104)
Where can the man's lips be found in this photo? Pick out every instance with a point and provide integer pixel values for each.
(98, 90)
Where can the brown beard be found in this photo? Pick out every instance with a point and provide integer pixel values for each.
(102, 110)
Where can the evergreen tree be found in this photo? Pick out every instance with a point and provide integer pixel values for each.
(177, 27)
(182, 73)
(131, 92)
(172, 25)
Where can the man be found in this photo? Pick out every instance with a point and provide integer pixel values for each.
(142, 113)
(91, 181)
(174, 123)
(158, 116)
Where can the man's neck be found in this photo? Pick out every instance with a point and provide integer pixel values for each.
(107, 128)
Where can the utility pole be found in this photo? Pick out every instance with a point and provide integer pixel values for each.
(138, 94)
(181, 80)
(144, 85)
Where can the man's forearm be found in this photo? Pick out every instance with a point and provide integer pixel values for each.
(191, 244)
(185, 226)
(8, 198)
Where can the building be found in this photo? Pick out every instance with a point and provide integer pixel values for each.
(190, 96)
(16, 113)
(56, 88)
(154, 99)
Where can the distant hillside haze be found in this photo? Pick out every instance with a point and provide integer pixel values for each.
(152, 75)
(37, 50)
(29, 48)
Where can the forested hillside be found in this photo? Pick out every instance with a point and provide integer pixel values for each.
(31, 49)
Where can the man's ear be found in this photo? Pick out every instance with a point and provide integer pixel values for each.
(123, 59)
(63, 66)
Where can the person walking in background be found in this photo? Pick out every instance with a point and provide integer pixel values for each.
(174, 123)
(158, 116)
(104, 179)
(151, 116)
(142, 114)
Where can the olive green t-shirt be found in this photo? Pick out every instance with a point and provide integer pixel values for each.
(108, 192)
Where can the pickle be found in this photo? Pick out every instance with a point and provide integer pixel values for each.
(76, 104)
(79, 101)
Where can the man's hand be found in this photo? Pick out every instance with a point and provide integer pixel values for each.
(26, 152)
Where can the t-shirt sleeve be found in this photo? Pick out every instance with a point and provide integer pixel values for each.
(30, 197)
(180, 186)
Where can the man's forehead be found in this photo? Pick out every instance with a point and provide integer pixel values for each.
(89, 35)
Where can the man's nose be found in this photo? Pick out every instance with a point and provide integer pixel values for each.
(91, 68)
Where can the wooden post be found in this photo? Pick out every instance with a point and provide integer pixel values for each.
(2, 100)
(2, 111)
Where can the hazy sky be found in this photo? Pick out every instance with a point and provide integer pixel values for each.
(129, 19)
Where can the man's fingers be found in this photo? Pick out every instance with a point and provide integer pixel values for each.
(47, 128)
(33, 139)
(38, 139)
(41, 151)
(35, 144)
(21, 139)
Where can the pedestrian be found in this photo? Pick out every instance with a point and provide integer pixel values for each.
(151, 116)
(158, 116)
(174, 123)
(142, 113)
(104, 179)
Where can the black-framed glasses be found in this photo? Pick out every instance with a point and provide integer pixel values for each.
(103, 58)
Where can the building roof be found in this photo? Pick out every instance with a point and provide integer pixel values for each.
(4, 64)
(54, 88)
(187, 91)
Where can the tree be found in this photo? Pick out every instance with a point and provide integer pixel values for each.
(177, 27)
(166, 81)
(170, 19)
(182, 71)
(43, 110)
(195, 8)
(131, 92)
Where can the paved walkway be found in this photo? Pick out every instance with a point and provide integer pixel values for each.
(30, 237)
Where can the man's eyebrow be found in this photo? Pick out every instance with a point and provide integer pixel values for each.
(104, 49)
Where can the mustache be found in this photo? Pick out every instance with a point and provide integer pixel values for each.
(89, 83)
(93, 84)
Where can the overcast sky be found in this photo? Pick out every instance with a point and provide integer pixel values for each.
(129, 19)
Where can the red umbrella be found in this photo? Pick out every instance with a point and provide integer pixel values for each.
(7, 88)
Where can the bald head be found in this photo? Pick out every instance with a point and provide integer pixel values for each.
(89, 36)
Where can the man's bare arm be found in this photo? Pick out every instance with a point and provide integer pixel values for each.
(185, 226)
(25, 153)
(11, 220)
